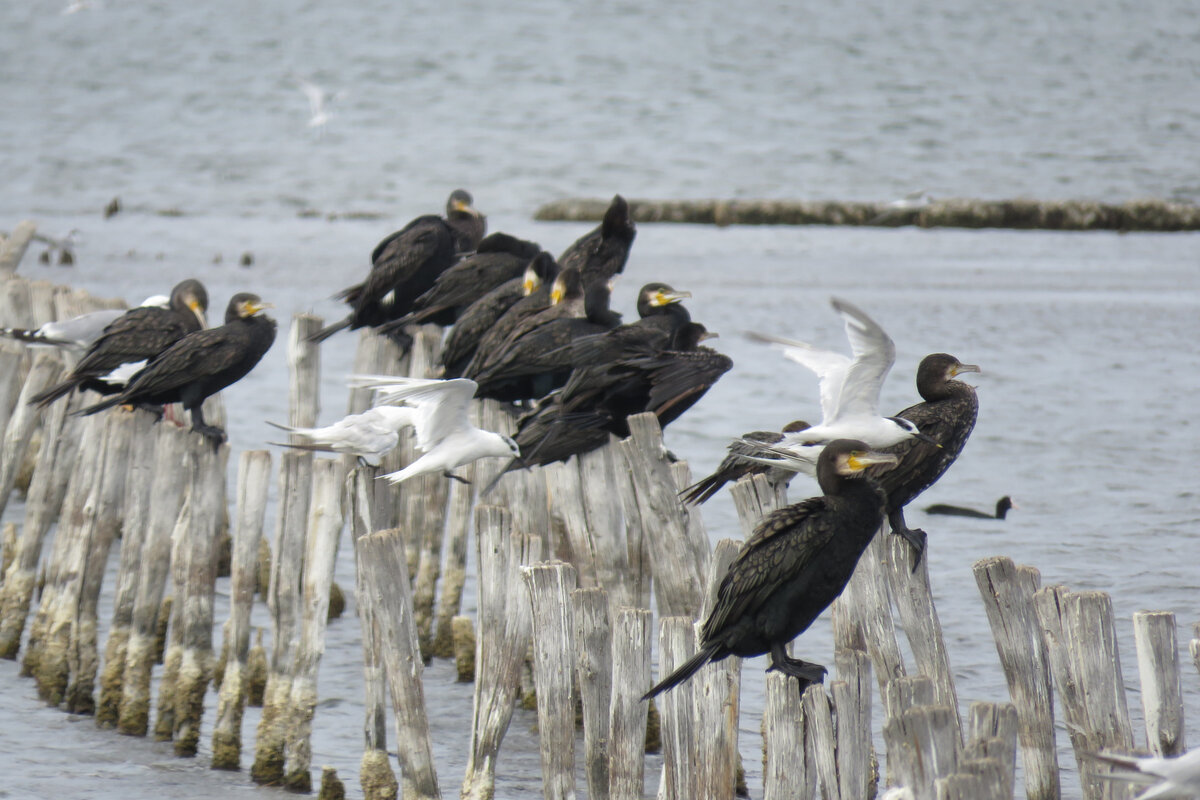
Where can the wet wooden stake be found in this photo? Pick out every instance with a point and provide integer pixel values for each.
(454, 577)
(852, 702)
(375, 770)
(788, 769)
(1081, 641)
(84, 653)
(1158, 666)
(381, 558)
(818, 714)
(505, 632)
(627, 716)
(604, 511)
(324, 528)
(992, 733)
(46, 370)
(862, 615)
(550, 585)
(593, 667)
(12, 249)
(676, 643)
(55, 464)
(1007, 592)
(166, 499)
(283, 600)
(199, 589)
(898, 696)
(254, 475)
(926, 739)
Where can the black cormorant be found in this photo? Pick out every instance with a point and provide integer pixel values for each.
(794, 565)
(405, 265)
(736, 465)
(493, 339)
(947, 416)
(139, 334)
(660, 314)
(479, 317)
(1002, 507)
(601, 253)
(202, 363)
(498, 259)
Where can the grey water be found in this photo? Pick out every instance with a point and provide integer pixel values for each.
(191, 115)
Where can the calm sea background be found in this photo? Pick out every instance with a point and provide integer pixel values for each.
(191, 116)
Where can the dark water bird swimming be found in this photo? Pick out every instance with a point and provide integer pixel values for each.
(202, 363)
(406, 264)
(797, 561)
(947, 416)
(137, 335)
(1003, 505)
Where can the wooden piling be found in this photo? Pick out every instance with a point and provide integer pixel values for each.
(304, 371)
(550, 585)
(166, 499)
(676, 643)
(45, 371)
(254, 474)
(593, 668)
(1081, 642)
(1008, 601)
(381, 558)
(1158, 666)
(862, 614)
(788, 768)
(992, 733)
(818, 713)
(454, 575)
(504, 635)
(324, 528)
(926, 741)
(851, 694)
(627, 712)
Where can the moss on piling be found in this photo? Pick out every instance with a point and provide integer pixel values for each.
(226, 751)
(376, 776)
(464, 648)
(332, 787)
(256, 672)
(164, 724)
(262, 568)
(160, 629)
(653, 728)
(337, 602)
(190, 688)
(112, 678)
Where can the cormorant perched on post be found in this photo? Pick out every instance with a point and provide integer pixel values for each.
(947, 416)
(202, 363)
(736, 465)
(794, 565)
(498, 258)
(660, 314)
(405, 265)
(1003, 505)
(601, 253)
(536, 301)
(139, 334)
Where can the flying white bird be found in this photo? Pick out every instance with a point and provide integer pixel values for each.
(318, 102)
(1176, 777)
(370, 435)
(76, 333)
(849, 395)
(445, 435)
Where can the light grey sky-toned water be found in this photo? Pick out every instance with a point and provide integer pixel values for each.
(1087, 341)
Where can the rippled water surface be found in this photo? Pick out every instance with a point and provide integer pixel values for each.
(1087, 341)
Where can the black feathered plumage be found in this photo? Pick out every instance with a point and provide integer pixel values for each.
(601, 253)
(736, 466)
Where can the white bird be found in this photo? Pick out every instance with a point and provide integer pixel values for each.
(445, 435)
(913, 201)
(1165, 777)
(370, 435)
(76, 333)
(318, 99)
(849, 394)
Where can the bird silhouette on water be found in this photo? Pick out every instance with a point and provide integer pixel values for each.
(1003, 506)
(797, 561)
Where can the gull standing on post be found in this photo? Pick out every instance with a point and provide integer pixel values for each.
(445, 435)
(849, 395)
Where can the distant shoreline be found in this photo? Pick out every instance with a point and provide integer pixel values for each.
(1150, 215)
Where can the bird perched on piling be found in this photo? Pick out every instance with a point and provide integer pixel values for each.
(202, 363)
(77, 333)
(794, 565)
(947, 416)
(1176, 777)
(1003, 506)
(139, 334)
(849, 390)
(445, 436)
(406, 264)
(493, 340)
(660, 315)
(600, 254)
(498, 258)
(736, 466)
(370, 435)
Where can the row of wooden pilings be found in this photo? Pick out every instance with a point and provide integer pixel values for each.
(570, 560)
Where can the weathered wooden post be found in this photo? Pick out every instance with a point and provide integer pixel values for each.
(1158, 665)
(788, 768)
(992, 733)
(166, 499)
(593, 665)
(550, 585)
(46, 370)
(627, 714)
(454, 577)
(926, 740)
(505, 632)
(1007, 592)
(381, 558)
(324, 528)
(12, 249)
(862, 615)
(676, 643)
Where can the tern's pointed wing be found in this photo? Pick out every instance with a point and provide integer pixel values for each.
(830, 367)
(441, 406)
(315, 94)
(873, 352)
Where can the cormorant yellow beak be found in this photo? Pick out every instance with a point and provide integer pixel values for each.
(958, 369)
(709, 335)
(198, 310)
(253, 308)
(662, 298)
(556, 293)
(531, 282)
(861, 459)
(460, 205)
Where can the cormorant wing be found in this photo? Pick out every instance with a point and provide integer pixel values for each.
(396, 262)
(680, 379)
(196, 355)
(830, 368)
(139, 333)
(874, 352)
